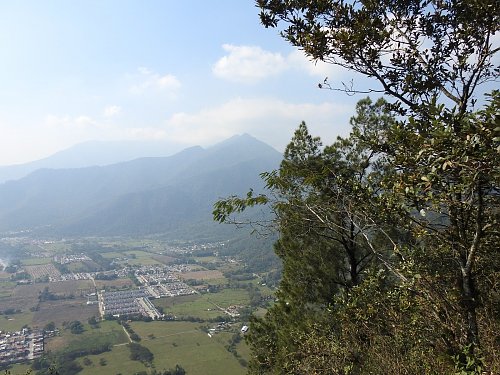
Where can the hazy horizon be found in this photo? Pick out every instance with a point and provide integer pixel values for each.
(122, 70)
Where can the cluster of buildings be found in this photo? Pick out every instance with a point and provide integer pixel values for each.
(20, 346)
(162, 282)
(70, 258)
(127, 302)
(156, 282)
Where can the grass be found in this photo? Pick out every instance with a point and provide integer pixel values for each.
(203, 275)
(221, 281)
(208, 259)
(138, 253)
(143, 261)
(15, 322)
(117, 283)
(108, 333)
(57, 247)
(19, 368)
(199, 308)
(35, 261)
(79, 267)
(185, 344)
(203, 306)
(228, 297)
(64, 310)
(75, 287)
(112, 254)
(6, 289)
(117, 362)
(243, 349)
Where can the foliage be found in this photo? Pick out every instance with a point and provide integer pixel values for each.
(177, 370)
(140, 353)
(418, 51)
(387, 241)
(51, 326)
(388, 236)
(75, 327)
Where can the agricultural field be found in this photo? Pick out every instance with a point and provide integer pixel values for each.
(63, 310)
(114, 284)
(203, 306)
(219, 296)
(36, 261)
(42, 270)
(202, 275)
(108, 332)
(115, 362)
(14, 322)
(188, 345)
(6, 289)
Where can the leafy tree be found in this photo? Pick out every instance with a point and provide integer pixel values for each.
(75, 327)
(418, 51)
(140, 353)
(93, 321)
(431, 191)
(51, 326)
(178, 370)
(405, 288)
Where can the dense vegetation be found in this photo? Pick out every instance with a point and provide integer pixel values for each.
(388, 236)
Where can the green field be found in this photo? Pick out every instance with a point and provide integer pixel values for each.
(112, 254)
(117, 362)
(172, 342)
(228, 297)
(207, 259)
(203, 306)
(15, 322)
(108, 333)
(6, 289)
(57, 247)
(143, 261)
(186, 344)
(19, 369)
(36, 261)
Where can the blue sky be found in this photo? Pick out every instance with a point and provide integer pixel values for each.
(190, 72)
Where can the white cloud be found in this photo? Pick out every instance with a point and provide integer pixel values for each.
(271, 120)
(168, 82)
(146, 134)
(248, 64)
(148, 79)
(82, 128)
(251, 64)
(268, 119)
(299, 61)
(112, 110)
(77, 125)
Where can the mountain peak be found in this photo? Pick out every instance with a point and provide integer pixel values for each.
(243, 140)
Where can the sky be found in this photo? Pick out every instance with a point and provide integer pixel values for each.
(192, 72)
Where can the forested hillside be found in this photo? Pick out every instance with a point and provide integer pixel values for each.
(142, 196)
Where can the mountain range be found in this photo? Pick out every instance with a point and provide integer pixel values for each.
(92, 153)
(141, 196)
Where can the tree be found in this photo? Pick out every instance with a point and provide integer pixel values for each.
(93, 321)
(432, 60)
(140, 353)
(49, 326)
(76, 327)
(419, 52)
(372, 262)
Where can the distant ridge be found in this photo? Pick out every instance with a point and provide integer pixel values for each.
(142, 196)
(92, 153)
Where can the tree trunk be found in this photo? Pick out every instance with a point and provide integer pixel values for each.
(469, 297)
